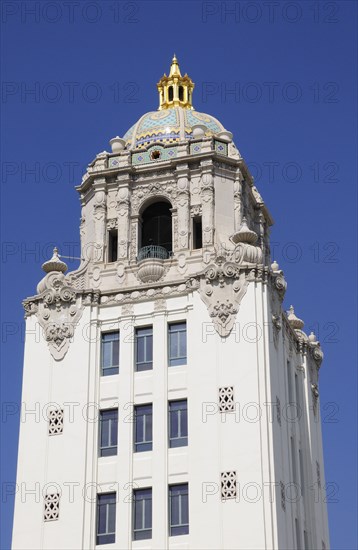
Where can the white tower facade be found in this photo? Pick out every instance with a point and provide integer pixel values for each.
(168, 400)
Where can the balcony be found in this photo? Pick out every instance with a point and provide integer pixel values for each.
(153, 251)
(150, 261)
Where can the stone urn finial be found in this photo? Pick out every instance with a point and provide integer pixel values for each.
(245, 234)
(55, 264)
(294, 321)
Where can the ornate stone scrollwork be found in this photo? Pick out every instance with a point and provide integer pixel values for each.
(112, 223)
(277, 326)
(58, 307)
(196, 210)
(279, 281)
(221, 286)
(315, 396)
(316, 353)
(58, 311)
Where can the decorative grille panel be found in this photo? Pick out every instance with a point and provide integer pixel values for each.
(55, 422)
(226, 399)
(52, 507)
(228, 485)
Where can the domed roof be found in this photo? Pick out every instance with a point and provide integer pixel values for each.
(176, 117)
(169, 125)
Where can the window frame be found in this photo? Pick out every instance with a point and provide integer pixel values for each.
(112, 246)
(181, 440)
(144, 531)
(114, 369)
(146, 444)
(184, 527)
(197, 223)
(113, 447)
(110, 535)
(178, 360)
(145, 365)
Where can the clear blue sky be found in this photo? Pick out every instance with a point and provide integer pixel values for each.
(93, 67)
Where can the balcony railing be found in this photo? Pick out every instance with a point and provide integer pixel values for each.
(153, 251)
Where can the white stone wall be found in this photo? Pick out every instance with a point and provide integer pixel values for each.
(258, 451)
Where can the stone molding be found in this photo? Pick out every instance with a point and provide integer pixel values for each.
(58, 309)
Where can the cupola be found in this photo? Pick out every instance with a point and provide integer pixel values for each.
(175, 90)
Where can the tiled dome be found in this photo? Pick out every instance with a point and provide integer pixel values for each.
(169, 126)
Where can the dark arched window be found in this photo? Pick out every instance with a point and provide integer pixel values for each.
(170, 93)
(157, 226)
(181, 93)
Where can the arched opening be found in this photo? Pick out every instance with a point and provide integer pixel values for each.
(170, 93)
(181, 93)
(156, 231)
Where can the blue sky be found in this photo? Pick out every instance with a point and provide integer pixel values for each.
(281, 76)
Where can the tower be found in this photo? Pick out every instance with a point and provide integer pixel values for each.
(168, 400)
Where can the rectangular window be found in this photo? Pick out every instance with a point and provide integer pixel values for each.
(142, 514)
(197, 233)
(178, 423)
(144, 348)
(106, 518)
(178, 510)
(110, 353)
(177, 344)
(112, 245)
(143, 428)
(108, 430)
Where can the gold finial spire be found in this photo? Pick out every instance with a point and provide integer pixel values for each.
(174, 68)
(175, 90)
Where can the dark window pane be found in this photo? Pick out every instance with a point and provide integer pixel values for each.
(182, 344)
(115, 357)
(148, 513)
(175, 509)
(142, 514)
(184, 422)
(144, 348)
(173, 425)
(178, 423)
(140, 429)
(112, 518)
(106, 518)
(178, 510)
(106, 354)
(173, 346)
(148, 426)
(143, 428)
(177, 344)
(149, 348)
(184, 509)
(110, 353)
(104, 432)
(114, 431)
(108, 432)
(140, 350)
(102, 519)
